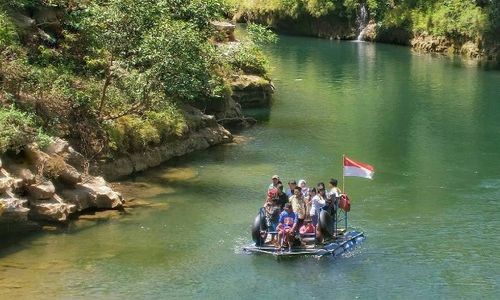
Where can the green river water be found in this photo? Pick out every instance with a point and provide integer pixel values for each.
(429, 125)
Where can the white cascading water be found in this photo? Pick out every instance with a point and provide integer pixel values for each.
(362, 21)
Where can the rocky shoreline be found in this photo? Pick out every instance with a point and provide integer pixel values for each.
(43, 187)
(55, 185)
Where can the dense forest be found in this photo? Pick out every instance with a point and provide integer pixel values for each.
(112, 76)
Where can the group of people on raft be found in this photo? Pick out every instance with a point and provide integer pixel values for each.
(297, 209)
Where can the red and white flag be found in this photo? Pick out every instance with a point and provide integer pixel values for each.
(358, 169)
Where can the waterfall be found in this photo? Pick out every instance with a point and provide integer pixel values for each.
(362, 21)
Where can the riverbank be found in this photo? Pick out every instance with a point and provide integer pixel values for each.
(456, 30)
(95, 81)
(53, 186)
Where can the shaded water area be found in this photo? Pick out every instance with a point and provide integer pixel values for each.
(430, 127)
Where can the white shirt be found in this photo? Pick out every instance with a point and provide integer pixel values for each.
(317, 203)
(334, 191)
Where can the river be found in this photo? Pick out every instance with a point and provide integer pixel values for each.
(428, 124)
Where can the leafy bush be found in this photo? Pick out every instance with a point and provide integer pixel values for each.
(8, 34)
(318, 8)
(131, 133)
(16, 129)
(261, 35)
(246, 58)
(457, 18)
(169, 122)
(182, 60)
(197, 12)
(42, 139)
(135, 133)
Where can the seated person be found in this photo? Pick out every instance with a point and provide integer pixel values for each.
(308, 227)
(287, 226)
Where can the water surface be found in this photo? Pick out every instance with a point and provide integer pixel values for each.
(430, 127)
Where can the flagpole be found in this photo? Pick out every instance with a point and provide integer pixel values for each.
(343, 189)
(343, 177)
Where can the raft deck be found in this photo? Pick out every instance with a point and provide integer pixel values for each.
(342, 244)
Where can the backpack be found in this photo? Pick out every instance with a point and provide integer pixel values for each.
(345, 203)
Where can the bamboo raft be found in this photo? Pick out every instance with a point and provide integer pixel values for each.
(341, 244)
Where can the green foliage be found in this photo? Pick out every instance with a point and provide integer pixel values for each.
(261, 35)
(17, 129)
(109, 77)
(457, 18)
(197, 12)
(133, 133)
(8, 34)
(246, 58)
(494, 17)
(398, 17)
(42, 139)
(182, 60)
(318, 8)
(169, 122)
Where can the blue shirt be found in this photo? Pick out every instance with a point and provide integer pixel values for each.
(288, 218)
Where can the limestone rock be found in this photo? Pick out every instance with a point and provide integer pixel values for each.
(114, 169)
(45, 190)
(251, 90)
(470, 49)
(197, 140)
(75, 159)
(369, 33)
(101, 195)
(79, 197)
(35, 156)
(54, 209)
(22, 172)
(70, 175)
(49, 211)
(225, 29)
(58, 146)
(26, 176)
(13, 209)
(5, 184)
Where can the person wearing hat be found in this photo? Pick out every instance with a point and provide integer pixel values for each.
(303, 186)
(275, 180)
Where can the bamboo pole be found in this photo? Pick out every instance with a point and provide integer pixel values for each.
(343, 177)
